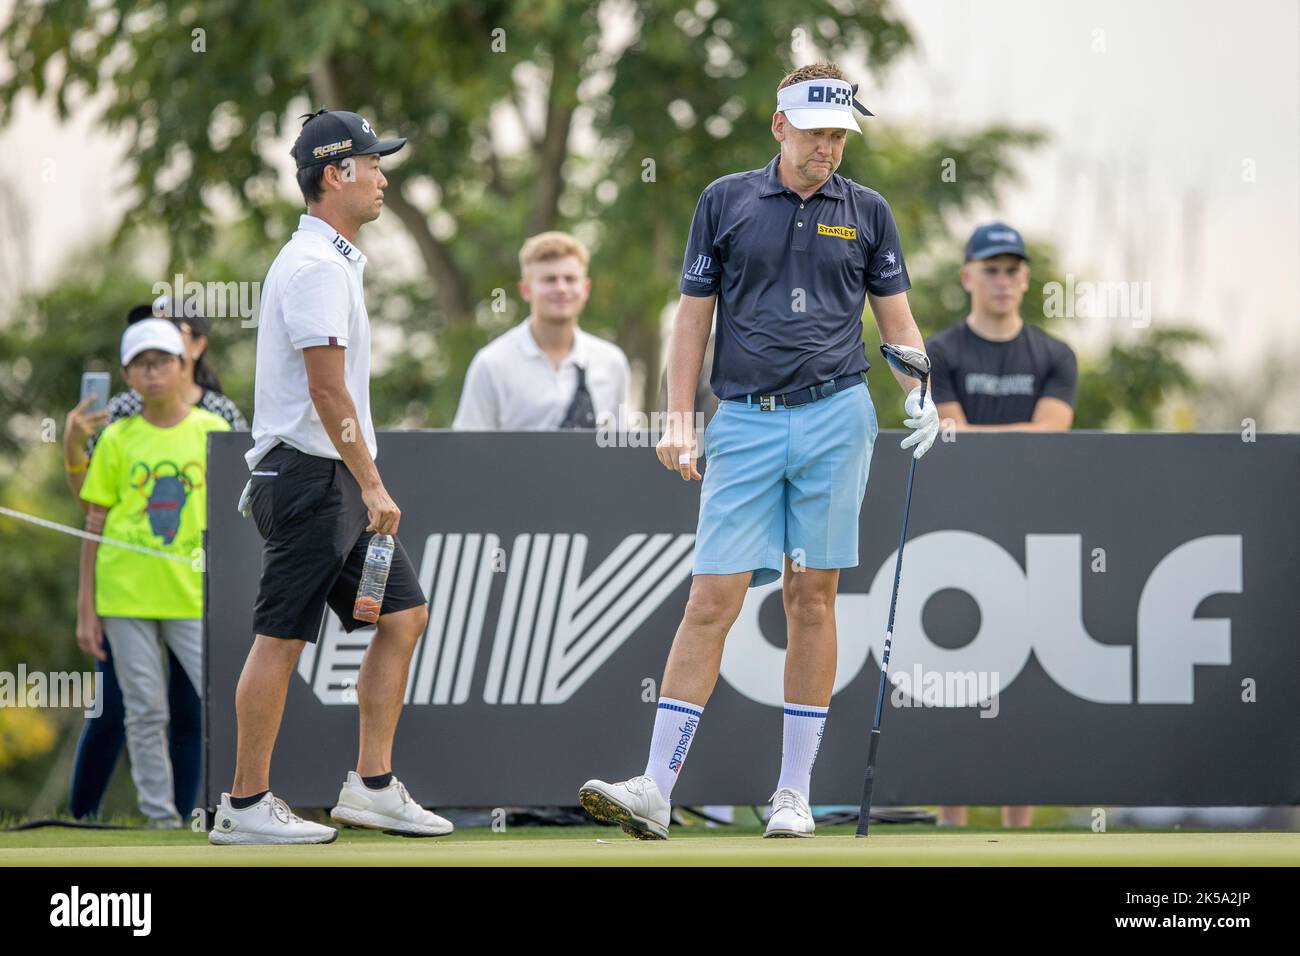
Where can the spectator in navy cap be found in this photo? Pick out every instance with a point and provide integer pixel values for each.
(994, 372)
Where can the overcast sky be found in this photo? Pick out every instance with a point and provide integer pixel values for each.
(1160, 113)
(1154, 141)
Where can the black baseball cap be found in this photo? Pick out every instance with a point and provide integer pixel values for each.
(188, 310)
(329, 135)
(995, 239)
(139, 313)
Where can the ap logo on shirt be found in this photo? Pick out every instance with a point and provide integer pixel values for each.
(699, 267)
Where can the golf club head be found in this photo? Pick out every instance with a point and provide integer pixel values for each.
(910, 361)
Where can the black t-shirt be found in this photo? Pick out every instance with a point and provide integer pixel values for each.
(998, 383)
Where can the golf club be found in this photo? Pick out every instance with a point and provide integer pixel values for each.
(916, 364)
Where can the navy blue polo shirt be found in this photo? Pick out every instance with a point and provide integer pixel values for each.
(791, 276)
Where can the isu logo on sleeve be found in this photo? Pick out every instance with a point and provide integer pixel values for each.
(895, 267)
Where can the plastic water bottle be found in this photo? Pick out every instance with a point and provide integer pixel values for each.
(374, 578)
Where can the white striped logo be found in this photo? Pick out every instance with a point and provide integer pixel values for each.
(554, 629)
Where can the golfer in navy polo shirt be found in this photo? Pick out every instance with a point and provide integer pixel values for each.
(788, 254)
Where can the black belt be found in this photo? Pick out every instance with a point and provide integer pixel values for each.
(803, 396)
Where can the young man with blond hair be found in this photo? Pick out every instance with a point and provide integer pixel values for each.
(789, 255)
(546, 373)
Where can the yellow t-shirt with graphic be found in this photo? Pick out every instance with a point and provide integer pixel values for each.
(154, 483)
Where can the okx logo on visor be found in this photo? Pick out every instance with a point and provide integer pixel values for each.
(821, 104)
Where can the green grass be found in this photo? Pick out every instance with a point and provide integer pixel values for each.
(690, 846)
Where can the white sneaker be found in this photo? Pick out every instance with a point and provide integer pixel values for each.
(391, 810)
(636, 805)
(268, 821)
(791, 816)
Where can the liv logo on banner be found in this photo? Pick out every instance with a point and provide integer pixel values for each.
(553, 631)
(555, 628)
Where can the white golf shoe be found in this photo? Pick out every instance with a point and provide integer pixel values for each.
(791, 816)
(269, 821)
(391, 810)
(636, 805)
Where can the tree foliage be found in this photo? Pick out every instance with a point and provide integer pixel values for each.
(607, 118)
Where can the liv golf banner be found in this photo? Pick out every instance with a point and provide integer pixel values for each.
(1083, 619)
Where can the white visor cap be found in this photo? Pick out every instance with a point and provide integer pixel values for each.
(820, 104)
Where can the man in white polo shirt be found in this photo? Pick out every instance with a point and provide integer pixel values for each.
(546, 373)
(317, 498)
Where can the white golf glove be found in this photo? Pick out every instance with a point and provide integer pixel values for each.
(924, 420)
(246, 500)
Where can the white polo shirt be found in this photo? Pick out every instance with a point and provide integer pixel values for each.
(312, 296)
(511, 384)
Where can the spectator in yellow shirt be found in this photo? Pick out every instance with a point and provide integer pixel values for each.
(147, 491)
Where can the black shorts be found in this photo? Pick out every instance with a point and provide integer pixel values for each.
(309, 512)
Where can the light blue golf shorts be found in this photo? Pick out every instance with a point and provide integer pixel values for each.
(784, 482)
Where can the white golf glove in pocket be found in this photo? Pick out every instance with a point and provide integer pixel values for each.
(246, 500)
(923, 419)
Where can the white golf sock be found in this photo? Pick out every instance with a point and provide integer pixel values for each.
(800, 740)
(675, 724)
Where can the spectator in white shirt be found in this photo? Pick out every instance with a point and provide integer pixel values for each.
(546, 373)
